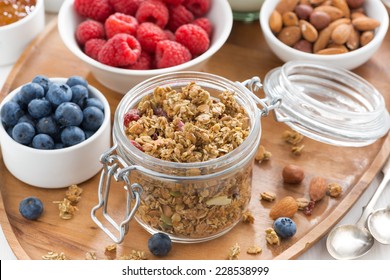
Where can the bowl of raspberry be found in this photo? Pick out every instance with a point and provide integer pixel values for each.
(126, 42)
(53, 131)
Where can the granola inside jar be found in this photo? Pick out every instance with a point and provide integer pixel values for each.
(194, 135)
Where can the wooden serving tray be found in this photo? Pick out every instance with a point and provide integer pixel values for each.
(244, 55)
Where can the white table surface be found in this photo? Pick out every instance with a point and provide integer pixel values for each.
(317, 252)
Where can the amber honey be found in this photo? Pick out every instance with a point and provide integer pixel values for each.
(14, 10)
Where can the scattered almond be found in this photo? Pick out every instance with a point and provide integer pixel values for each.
(317, 188)
(286, 207)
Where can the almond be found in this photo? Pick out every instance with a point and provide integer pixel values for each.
(290, 35)
(341, 33)
(290, 19)
(353, 40)
(286, 6)
(333, 12)
(323, 40)
(286, 207)
(309, 32)
(365, 23)
(275, 22)
(343, 6)
(317, 188)
(366, 37)
(331, 51)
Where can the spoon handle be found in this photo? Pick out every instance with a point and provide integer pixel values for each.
(371, 204)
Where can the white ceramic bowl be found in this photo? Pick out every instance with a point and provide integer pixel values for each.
(350, 60)
(121, 80)
(15, 37)
(53, 6)
(62, 167)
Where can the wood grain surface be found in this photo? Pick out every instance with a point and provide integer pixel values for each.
(244, 55)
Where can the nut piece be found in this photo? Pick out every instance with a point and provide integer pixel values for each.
(247, 217)
(365, 23)
(234, 252)
(286, 6)
(286, 207)
(309, 32)
(275, 22)
(302, 203)
(293, 174)
(334, 190)
(290, 35)
(292, 137)
(262, 154)
(341, 34)
(366, 37)
(267, 196)
(271, 237)
(317, 188)
(254, 250)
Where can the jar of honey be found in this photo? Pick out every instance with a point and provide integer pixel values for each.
(13, 10)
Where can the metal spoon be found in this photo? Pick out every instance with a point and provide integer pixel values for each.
(353, 241)
(379, 225)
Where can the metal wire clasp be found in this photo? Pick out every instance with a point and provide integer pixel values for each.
(115, 167)
(252, 85)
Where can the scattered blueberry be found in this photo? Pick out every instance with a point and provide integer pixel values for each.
(79, 95)
(159, 244)
(285, 227)
(43, 81)
(93, 118)
(76, 80)
(43, 142)
(10, 113)
(29, 92)
(31, 208)
(58, 93)
(68, 114)
(72, 135)
(39, 108)
(23, 133)
(94, 102)
(47, 125)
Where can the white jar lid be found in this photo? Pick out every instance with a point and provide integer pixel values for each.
(331, 105)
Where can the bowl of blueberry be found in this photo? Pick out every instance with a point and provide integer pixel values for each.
(126, 42)
(53, 131)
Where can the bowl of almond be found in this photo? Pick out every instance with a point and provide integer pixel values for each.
(342, 33)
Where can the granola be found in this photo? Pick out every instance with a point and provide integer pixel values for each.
(54, 256)
(134, 255)
(272, 237)
(254, 250)
(190, 125)
(247, 217)
(234, 252)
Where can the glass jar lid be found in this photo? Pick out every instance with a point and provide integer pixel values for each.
(331, 105)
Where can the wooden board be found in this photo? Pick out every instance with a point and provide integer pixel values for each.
(244, 55)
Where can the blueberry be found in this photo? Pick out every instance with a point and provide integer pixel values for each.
(72, 135)
(29, 92)
(43, 81)
(10, 113)
(159, 244)
(93, 118)
(39, 108)
(31, 208)
(43, 142)
(68, 114)
(58, 93)
(23, 133)
(59, 145)
(47, 125)
(76, 80)
(27, 118)
(79, 95)
(94, 102)
(88, 133)
(285, 227)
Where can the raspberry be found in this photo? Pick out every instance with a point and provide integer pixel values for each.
(173, 2)
(120, 23)
(205, 23)
(92, 47)
(179, 15)
(193, 37)
(128, 7)
(98, 10)
(89, 29)
(120, 50)
(197, 7)
(144, 62)
(148, 35)
(170, 35)
(171, 53)
(131, 115)
(153, 11)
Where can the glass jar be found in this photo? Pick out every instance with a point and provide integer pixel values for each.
(247, 10)
(194, 202)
